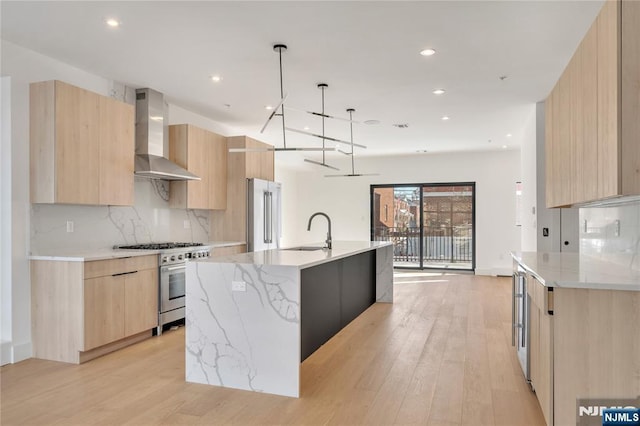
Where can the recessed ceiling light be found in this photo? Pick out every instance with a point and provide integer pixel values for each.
(156, 117)
(445, 117)
(422, 151)
(268, 107)
(372, 122)
(509, 135)
(427, 52)
(306, 127)
(504, 147)
(216, 78)
(112, 22)
(438, 91)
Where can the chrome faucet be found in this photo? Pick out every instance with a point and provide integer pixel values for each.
(328, 221)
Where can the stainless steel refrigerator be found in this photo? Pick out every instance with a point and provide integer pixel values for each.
(264, 214)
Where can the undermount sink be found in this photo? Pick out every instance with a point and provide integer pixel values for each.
(305, 248)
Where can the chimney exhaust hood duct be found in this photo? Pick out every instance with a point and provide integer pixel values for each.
(152, 139)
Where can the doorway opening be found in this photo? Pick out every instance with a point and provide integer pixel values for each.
(431, 225)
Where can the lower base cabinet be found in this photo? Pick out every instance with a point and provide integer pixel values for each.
(584, 345)
(332, 295)
(86, 309)
(541, 346)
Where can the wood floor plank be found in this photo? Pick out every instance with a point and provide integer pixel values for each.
(440, 355)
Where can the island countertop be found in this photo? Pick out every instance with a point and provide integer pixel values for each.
(298, 258)
(573, 270)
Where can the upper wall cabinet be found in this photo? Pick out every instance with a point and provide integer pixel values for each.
(81, 146)
(231, 224)
(205, 154)
(593, 113)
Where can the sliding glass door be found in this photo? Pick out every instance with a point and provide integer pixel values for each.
(430, 225)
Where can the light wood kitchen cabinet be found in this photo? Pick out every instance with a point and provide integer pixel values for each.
(81, 146)
(231, 224)
(593, 113)
(82, 310)
(203, 153)
(541, 345)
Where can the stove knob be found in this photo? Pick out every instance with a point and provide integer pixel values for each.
(164, 259)
(198, 255)
(173, 258)
(188, 255)
(179, 257)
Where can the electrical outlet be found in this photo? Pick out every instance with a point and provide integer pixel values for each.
(70, 226)
(616, 231)
(238, 286)
(187, 224)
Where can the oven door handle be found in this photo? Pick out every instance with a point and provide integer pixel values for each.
(175, 268)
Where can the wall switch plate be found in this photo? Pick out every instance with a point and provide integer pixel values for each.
(616, 231)
(186, 224)
(70, 226)
(238, 286)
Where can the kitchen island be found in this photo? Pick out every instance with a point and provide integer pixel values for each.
(252, 318)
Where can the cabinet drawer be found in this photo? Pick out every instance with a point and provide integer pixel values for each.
(102, 268)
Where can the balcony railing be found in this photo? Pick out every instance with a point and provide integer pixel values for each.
(440, 245)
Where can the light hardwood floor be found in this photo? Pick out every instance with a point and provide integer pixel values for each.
(440, 355)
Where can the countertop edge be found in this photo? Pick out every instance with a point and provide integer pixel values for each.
(553, 282)
(106, 254)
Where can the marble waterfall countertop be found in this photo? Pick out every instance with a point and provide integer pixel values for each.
(573, 270)
(88, 255)
(301, 259)
(244, 312)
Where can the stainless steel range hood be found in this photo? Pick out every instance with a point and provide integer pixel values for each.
(152, 139)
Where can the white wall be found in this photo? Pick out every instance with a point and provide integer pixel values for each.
(529, 184)
(291, 220)
(347, 200)
(5, 220)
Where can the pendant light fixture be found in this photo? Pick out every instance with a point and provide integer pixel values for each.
(353, 171)
(323, 163)
(283, 97)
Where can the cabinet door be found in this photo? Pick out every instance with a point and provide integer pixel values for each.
(608, 99)
(77, 147)
(534, 344)
(198, 154)
(103, 311)
(267, 165)
(217, 176)
(117, 149)
(586, 124)
(140, 301)
(544, 386)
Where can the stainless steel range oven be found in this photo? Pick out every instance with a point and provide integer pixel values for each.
(172, 277)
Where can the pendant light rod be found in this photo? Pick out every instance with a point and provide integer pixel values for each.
(351, 111)
(322, 87)
(279, 47)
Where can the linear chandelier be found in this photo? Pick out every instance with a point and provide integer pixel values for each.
(353, 168)
(283, 97)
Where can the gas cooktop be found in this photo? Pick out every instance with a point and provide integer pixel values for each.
(158, 246)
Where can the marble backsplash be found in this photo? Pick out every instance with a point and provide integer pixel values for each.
(612, 233)
(97, 227)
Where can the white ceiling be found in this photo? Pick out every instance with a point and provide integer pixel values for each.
(366, 51)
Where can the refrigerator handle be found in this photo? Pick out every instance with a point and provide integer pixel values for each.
(265, 217)
(270, 214)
